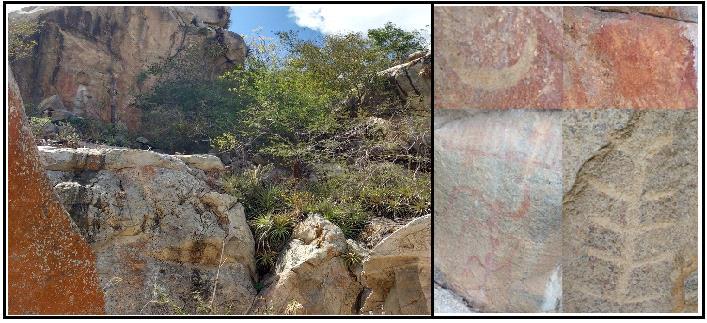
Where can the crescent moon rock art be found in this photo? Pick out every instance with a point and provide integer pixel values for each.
(493, 79)
(498, 57)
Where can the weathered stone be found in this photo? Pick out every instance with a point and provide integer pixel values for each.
(160, 233)
(498, 194)
(53, 108)
(611, 61)
(447, 301)
(91, 57)
(498, 57)
(51, 269)
(203, 162)
(689, 14)
(569, 57)
(413, 79)
(398, 272)
(376, 230)
(583, 133)
(311, 272)
(630, 216)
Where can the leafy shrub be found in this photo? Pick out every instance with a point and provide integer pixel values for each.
(22, 38)
(37, 125)
(100, 132)
(68, 136)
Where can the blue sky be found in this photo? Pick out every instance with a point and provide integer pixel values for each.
(313, 21)
(271, 19)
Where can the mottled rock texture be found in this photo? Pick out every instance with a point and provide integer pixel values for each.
(497, 214)
(617, 60)
(498, 57)
(159, 231)
(91, 57)
(398, 272)
(565, 57)
(51, 269)
(629, 217)
(447, 301)
(312, 271)
(689, 14)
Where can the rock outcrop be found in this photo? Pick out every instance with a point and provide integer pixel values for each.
(313, 273)
(413, 78)
(50, 267)
(498, 197)
(397, 273)
(92, 57)
(165, 242)
(317, 273)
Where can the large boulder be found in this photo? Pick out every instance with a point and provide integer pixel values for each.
(51, 269)
(92, 57)
(312, 273)
(413, 78)
(165, 242)
(397, 272)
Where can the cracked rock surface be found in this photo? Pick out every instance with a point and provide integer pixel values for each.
(629, 217)
(159, 232)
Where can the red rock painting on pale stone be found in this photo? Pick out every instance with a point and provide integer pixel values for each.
(497, 211)
(565, 57)
(51, 269)
(617, 60)
(498, 57)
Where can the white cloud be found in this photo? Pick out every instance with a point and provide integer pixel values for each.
(335, 18)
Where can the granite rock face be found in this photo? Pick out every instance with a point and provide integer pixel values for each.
(498, 57)
(566, 57)
(617, 60)
(397, 273)
(629, 217)
(51, 269)
(498, 194)
(91, 57)
(160, 233)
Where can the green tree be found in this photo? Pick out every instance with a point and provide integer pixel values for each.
(396, 42)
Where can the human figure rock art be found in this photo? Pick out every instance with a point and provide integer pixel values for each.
(497, 216)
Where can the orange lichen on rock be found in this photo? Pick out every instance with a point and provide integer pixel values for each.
(51, 269)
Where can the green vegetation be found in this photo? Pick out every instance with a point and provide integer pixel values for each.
(319, 130)
(22, 38)
(397, 43)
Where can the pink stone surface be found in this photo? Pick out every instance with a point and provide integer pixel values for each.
(565, 57)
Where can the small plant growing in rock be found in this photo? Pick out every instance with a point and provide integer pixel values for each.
(294, 308)
(266, 258)
(281, 228)
(351, 258)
